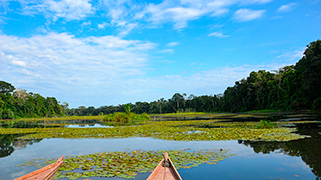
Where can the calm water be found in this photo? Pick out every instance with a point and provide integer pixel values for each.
(253, 160)
(299, 159)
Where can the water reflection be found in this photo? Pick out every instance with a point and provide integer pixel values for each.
(55, 123)
(254, 160)
(87, 126)
(308, 149)
(9, 143)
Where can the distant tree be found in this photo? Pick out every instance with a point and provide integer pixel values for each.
(177, 97)
(6, 88)
(21, 95)
(309, 70)
(127, 108)
(81, 110)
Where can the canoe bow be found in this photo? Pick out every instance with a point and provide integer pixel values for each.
(165, 170)
(45, 173)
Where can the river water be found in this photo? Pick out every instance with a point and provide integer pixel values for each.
(300, 159)
(252, 160)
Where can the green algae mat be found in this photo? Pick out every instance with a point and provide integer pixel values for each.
(195, 130)
(125, 164)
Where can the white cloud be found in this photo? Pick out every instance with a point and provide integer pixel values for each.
(88, 23)
(168, 12)
(125, 29)
(218, 34)
(19, 63)
(255, 1)
(78, 70)
(286, 7)
(213, 81)
(292, 55)
(171, 44)
(166, 51)
(102, 25)
(247, 14)
(67, 9)
(121, 13)
(4, 4)
(64, 63)
(125, 13)
(181, 11)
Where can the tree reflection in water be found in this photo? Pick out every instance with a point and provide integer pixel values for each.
(308, 149)
(9, 143)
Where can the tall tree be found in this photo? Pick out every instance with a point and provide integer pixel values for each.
(6, 88)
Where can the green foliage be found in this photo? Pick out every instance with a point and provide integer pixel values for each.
(266, 124)
(316, 106)
(22, 104)
(124, 118)
(6, 88)
(309, 72)
(127, 108)
(7, 114)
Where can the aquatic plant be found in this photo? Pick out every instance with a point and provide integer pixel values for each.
(170, 130)
(266, 124)
(126, 164)
(120, 118)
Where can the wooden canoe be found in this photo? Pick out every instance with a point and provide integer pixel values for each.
(45, 173)
(165, 170)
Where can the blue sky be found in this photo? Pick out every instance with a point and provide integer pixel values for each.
(110, 52)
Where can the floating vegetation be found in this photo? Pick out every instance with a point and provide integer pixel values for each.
(125, 164)
(169, 130)
(266, 124)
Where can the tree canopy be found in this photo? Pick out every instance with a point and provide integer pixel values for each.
(22, 104)
(6, 88)
(294, 87)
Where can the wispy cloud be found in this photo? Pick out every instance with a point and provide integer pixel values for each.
(67, 9)
(171, 44)
(102, 25)
(212, 81)
(127, 28)
(126, 15)
(88, 23)
(64, 61)
(121, 14)
(19, 63)
(180, 12)
(247, 14)
(4, 6)
(292, 55)
(166, 51)
(218, 34)
(286, 7)
(179, 15)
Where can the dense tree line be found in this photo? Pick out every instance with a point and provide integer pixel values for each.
(296, 87)
(18, 103)
(293, 87)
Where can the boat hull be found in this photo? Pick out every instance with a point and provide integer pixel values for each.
(45, 173)
(165, 170)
